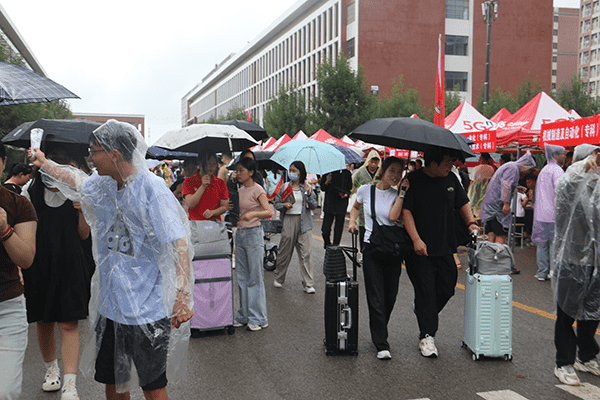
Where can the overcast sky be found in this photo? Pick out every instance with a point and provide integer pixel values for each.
(135, 57)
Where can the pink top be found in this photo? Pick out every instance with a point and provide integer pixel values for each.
(249, 202)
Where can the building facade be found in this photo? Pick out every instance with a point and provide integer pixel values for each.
(390, 40)
(565, 43)
(589, 46)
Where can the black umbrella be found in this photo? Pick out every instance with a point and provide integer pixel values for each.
(69, 133)
(254, 130)
(263, 161)
(20, 85)
(409, 134)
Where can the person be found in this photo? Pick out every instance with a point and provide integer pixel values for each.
(568, 160)
(296, 231)
(504, 158)
(18, 223)
(484, 169)
(382, 274)
(177, 190)
(141, 291)
(274, 182)
(336, 186)
(18, 175)
(496, 211)
(365, 175)
(206, 195)
(529, 205)
(412, 165)
(223, 171)
(232, 186)
(419, 163)
(249, 243)
(543, 212)
(429, 219)
(574, 270)
(463, 172)
(57, 287)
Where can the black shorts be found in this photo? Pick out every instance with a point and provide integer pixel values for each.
(495, 227)
(149, 356)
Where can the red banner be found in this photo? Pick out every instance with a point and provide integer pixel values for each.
(440, 92)
(572, 132)
(484, 141)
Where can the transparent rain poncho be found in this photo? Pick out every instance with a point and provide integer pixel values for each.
(576, 274)
(143, 255)
(545, 192)
(502, 187)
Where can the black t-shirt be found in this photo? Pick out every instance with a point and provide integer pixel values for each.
(432, 202)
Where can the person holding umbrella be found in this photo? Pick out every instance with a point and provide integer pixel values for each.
(295, 202)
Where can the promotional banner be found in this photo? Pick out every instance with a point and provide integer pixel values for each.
(572, 132)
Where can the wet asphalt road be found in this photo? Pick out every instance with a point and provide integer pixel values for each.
(287, 360)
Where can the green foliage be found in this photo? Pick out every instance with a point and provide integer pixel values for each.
(452, 100)
(286, 113)
(528, 90)
(234, 113)
(343, 101)
(576, 97)
(499, 99)
(403, 102)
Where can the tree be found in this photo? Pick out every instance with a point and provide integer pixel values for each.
(528, 90)
(576, 97)
(286, 113)
(342, 102)
(498, 100)
(403, 102)
(233, 113)
(452, 100)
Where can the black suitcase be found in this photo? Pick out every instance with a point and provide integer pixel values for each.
(341, 310)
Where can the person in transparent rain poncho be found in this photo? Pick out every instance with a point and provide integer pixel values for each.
(543, 213)
(141, 289)
(575, 268)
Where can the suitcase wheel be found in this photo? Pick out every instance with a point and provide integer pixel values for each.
(508, 357)
(475, 357)
(230, 330)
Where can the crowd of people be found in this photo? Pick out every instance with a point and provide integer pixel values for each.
(114, 245)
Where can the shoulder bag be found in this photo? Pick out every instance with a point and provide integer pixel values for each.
(385, 240)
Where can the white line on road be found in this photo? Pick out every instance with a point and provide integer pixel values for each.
(501, 395)
(586, 391)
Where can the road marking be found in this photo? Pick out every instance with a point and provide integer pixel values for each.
(586, 391)
(501, 395)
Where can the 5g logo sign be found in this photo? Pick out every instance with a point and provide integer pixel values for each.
(119, 238)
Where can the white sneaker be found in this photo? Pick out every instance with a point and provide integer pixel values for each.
(384, 355)
(592, 366)
(277, 284)
(256, 328)
(427, 347)
(309, 289)
(52, 379)
(567, 375)
(69, 392)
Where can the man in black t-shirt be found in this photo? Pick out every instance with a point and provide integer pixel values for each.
(428, 216)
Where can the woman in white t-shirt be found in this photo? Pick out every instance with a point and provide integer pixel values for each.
(249, 244)
(382, 276)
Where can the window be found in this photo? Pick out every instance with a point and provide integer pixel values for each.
(584, 58)
(456, 78)
(351, 17)
(556, 18)
(555, 46)
(584, 73)
(554, 59)
(554, 86)
(553, 72)
(351, 51)
(457, 45)
(457, 9)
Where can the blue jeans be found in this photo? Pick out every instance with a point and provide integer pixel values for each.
(13, 342)
(544, 258)
(249, 253)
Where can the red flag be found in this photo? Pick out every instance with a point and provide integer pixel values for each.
(440, 92)
(249, 116)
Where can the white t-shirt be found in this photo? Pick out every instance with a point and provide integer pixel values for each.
(520, 209)
(297, 206)
(384, 200)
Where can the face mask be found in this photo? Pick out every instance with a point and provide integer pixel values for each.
(293, 177)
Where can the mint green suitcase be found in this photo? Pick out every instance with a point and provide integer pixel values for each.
(488, 316)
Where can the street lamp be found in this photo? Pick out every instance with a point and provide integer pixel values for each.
(490, 13)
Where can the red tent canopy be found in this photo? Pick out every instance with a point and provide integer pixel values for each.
(469, 122)
(300, 135)
(322, 136)
(525, 125)
(280, 142)
(501, 116)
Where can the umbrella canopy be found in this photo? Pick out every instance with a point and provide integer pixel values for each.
(278, 143)
(20, 85)
(263, 161)
(318, 158)
(254, 130)
(161, 154)
(67, 132)
(409, 134)
(350, 155)
(217, 138)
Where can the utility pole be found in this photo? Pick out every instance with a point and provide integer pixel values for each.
(490, 13)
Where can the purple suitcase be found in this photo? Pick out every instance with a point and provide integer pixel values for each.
(213, 295)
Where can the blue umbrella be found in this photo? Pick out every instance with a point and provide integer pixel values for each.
(351, 156)
(318, 158)
(161, 154)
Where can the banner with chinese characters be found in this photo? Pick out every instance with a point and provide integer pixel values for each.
(572, 132)
(483, 142)
(402, 153)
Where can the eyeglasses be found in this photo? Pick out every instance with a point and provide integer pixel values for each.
(92, 152)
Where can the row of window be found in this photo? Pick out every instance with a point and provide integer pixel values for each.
(457, 9)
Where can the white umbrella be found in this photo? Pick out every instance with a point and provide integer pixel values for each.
(218, 138)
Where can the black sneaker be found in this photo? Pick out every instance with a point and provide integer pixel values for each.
(514, 271)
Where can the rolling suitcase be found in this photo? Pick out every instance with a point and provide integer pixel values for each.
(341, 308)
(488, 314)
(213, 294)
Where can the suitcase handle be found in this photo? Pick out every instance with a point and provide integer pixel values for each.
(348, 319)
(352, 253)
